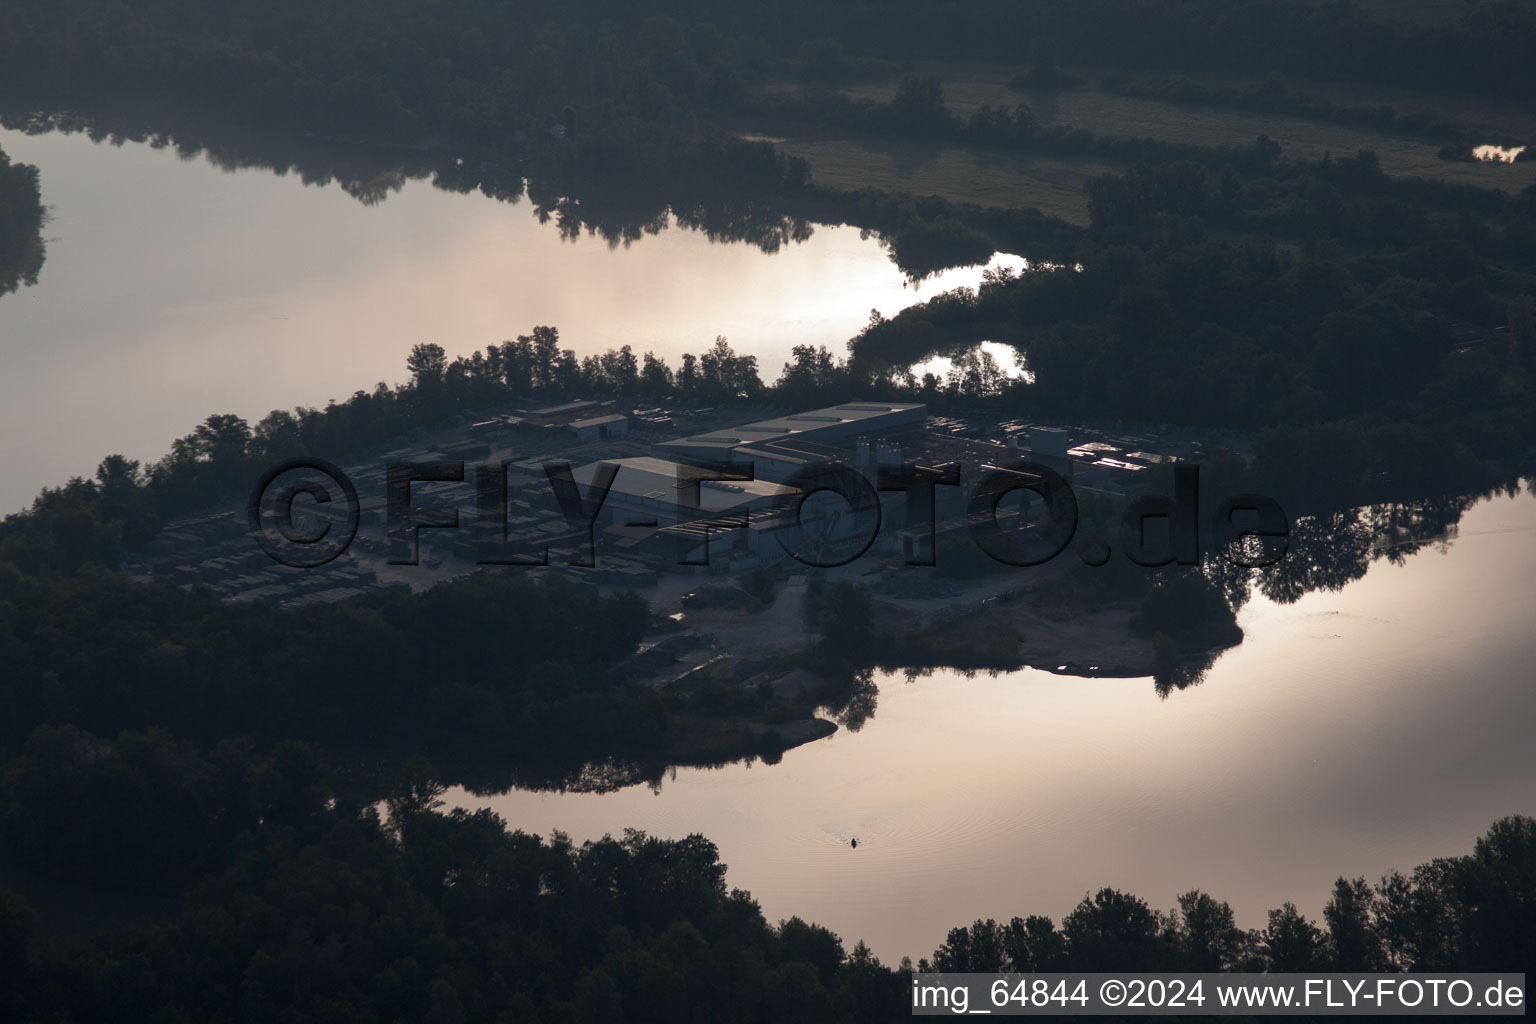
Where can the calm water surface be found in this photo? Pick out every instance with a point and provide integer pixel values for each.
(1497, 154)
(173, 290)
(1351, 733)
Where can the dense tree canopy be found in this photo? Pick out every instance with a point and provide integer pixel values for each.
(220, 770)
(332, 912)
(21, 225)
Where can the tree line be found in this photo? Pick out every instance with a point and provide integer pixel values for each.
(1445, 915)
(1275, 94)
(1316, 302)
(369, 677)
(918, 110)
(603, 97)
(610, 69)
(305, 901)
(95, 521)
(21, 225)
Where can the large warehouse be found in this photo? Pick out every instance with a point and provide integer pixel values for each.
(776, 444)
(663, 493)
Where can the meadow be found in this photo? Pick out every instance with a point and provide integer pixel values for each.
(1053, 183)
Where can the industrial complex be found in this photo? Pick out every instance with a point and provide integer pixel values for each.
(690, 491)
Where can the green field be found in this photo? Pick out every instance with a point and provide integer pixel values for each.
(967, 87)
(1054, 185)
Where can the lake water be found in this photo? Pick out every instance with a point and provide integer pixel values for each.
(173, 290)
(1351, 733)
(1497, 154)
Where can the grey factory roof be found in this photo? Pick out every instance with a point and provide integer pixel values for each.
(596, 421)
(846, 416)
(650, 479)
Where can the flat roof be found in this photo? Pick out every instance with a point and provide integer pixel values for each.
(792, 449)
(564, 407)
(784, 426)
(654, 479)
(762, 519)
(597, 421)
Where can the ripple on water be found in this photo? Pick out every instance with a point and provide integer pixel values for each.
(912, 855)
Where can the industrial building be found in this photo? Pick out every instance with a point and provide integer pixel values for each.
(661, 513)
(668, 512)
(599, 428)
(660, 493)
(780, 447)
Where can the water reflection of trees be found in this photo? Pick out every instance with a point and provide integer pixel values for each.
(21, 225)
(1328, 551)
(371, 173)
(1180, 672)
(489, 776)
(1325, 552)
(852, 701)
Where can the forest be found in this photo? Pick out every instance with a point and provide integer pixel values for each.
(603, 69)
(247, 802)
(341, 912)
(21, 225)
(600, 102)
